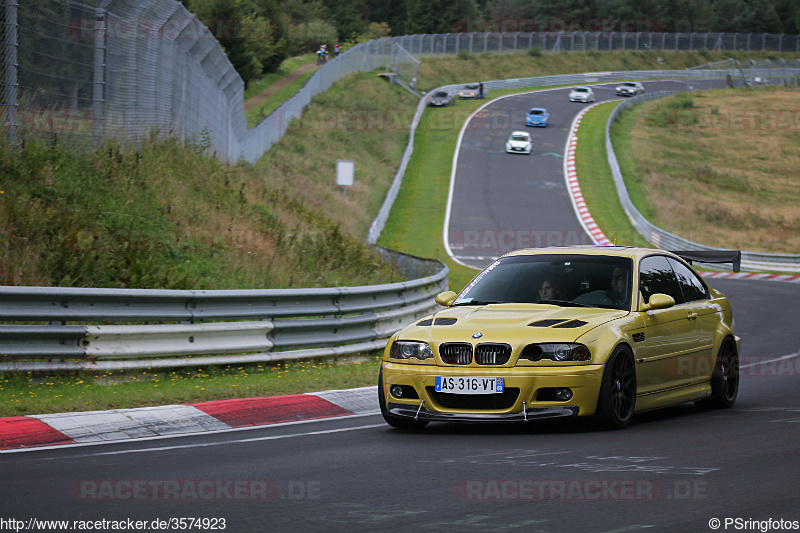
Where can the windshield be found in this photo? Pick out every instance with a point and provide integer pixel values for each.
(536, 112)
(440, 94)
(519, 138)
(472, 86)
(581, 90)
(590, 280)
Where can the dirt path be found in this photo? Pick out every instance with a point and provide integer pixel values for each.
(256, 100)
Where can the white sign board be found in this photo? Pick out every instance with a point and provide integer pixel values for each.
(344, 172)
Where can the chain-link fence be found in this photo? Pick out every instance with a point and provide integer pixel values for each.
(737, 74)
(76, 73)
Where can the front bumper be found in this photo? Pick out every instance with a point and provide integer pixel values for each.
(522, 383)
(534, 413)
(512, 150)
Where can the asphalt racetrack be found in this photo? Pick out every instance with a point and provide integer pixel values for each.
(500, 201)
(680, 469)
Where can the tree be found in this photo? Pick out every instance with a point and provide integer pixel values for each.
(440, 16)
(347, 17)
(226, 15)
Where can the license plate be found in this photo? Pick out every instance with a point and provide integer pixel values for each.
(467, 385)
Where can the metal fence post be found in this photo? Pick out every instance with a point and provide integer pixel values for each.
(11, 67)
(99, 66)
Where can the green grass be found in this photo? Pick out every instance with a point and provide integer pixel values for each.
(27, 394)
(596, 181)
(260, 112)
(417, 217)
(288, 66)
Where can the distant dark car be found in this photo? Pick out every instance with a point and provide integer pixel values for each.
(441, 99)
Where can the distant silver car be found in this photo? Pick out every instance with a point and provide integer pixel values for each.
(581, 94)
(470, 90)
(441, 99)
(629, 88)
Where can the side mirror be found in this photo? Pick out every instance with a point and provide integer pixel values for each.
(659, 301)
(446, 298)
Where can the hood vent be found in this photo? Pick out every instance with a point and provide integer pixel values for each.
(572, 324)
(546, 323)
(558, 323)
(437, 322)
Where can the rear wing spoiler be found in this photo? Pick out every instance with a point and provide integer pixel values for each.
(712, 256)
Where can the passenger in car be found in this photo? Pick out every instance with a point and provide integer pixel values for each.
(549, 289)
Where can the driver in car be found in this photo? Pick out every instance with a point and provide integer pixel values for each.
(616, 295)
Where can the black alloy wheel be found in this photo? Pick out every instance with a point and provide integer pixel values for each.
(725, 379)
(618, 391)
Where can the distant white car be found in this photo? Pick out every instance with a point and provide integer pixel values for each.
(519, 143)
(581, 94)
(630, 88)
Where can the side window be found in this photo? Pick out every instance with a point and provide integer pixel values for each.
(692, 286)
(656, 276)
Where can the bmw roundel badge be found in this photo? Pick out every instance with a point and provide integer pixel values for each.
(477, 335)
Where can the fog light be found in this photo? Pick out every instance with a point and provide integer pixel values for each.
(396, 391)
(563, 395)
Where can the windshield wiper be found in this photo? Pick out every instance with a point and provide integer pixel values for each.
(475, 302)
(566, 303)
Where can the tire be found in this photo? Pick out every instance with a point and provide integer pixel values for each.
(617, 399)
(725, 379)
(396, 421)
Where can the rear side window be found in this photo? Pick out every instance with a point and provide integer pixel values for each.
(656, 276)
(692, 286)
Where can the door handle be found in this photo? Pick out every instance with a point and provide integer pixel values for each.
(692, 315)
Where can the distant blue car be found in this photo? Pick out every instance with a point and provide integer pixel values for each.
(537, 116)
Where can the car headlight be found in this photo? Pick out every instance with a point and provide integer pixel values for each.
(409, 349)
(566, 351)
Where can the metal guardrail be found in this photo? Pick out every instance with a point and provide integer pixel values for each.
(751, 261)
(250, 325)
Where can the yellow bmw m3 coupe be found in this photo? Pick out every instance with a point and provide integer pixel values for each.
(587, 331)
